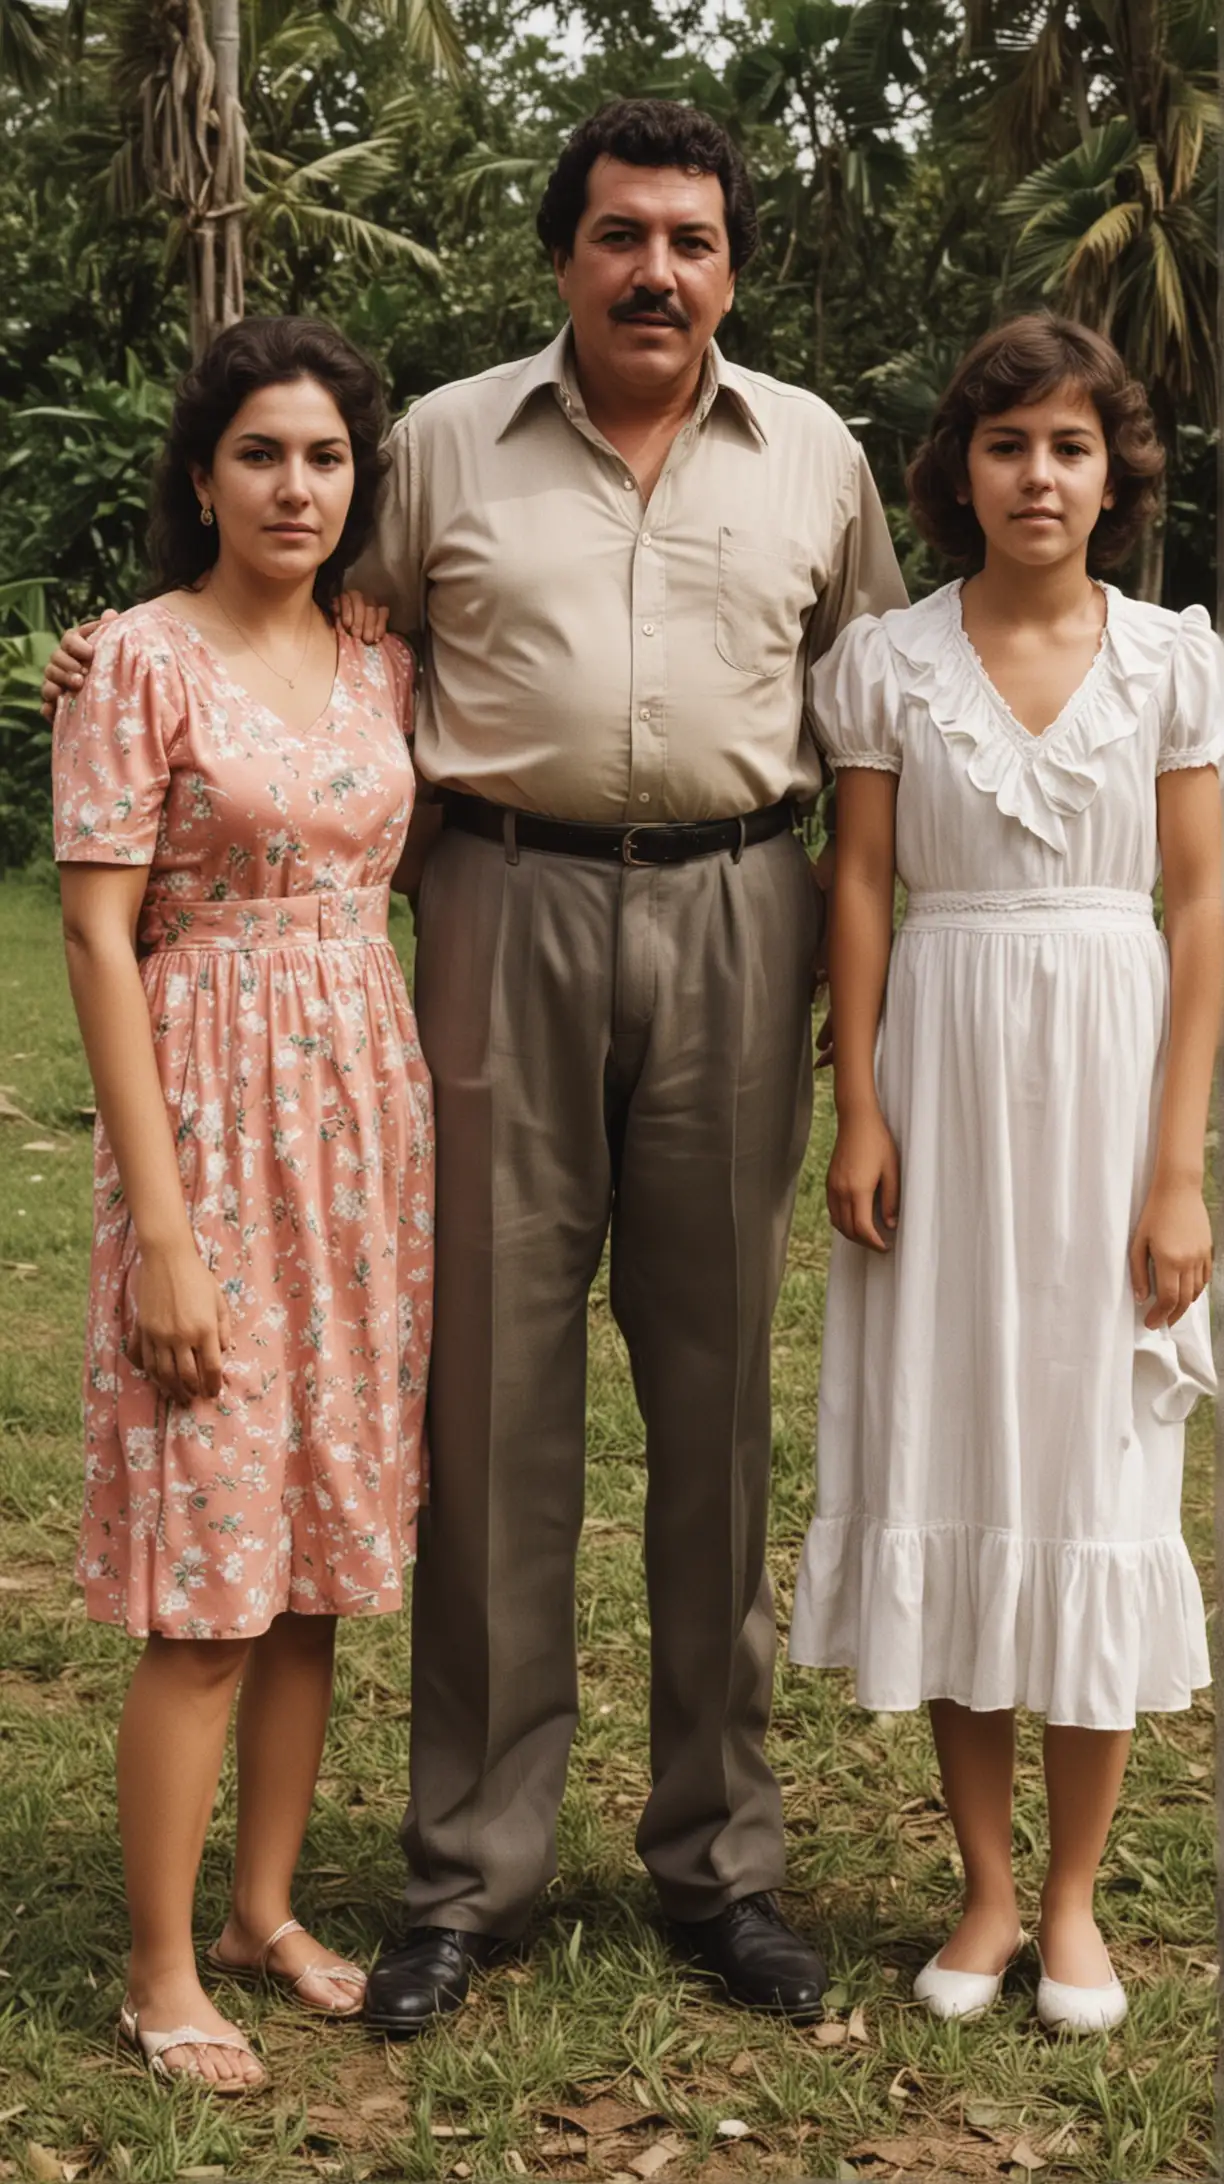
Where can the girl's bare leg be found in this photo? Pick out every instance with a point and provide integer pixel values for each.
(976, 1763)
(282, 1721)
(171, 1738)
(1083, 1771)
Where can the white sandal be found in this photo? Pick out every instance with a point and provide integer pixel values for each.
(152, 2047)
(349, 1975)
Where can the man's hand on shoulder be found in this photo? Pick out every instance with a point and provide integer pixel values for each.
(71, 661)
(362, 617)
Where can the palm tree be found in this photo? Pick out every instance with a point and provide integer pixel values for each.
(26, 47)
(213, 128)
(1116, 225)
(825, 74)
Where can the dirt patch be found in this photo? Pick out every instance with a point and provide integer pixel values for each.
(29, 1577)
(31, 1695)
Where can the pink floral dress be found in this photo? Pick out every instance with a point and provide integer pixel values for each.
(301, 1108)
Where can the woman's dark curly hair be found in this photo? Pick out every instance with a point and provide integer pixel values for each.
(1024, 361)
(647, 133)
(255, 353)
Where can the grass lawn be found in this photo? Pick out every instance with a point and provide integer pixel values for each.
(591, 2057)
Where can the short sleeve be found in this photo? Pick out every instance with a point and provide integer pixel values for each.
(1192, 715)
(391, 569)
(398, 662)
(855, 700)
(110, 751)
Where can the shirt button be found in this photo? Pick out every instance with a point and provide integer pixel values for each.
(647, 540)
(643, 712)
(648, 629)
(628, 484)
(644, 798)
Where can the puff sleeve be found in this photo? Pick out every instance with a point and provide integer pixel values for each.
(401, 672)
(855, 700)
(1192, 708)
(110, 750)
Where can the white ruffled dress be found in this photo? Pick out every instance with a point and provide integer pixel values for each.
(1000, 1438)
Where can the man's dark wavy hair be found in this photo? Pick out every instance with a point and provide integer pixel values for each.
(1025, 360)
(255, 353)
(648, 133)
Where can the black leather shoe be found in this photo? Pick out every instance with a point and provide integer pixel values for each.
(759, 1959)
(427, 1976)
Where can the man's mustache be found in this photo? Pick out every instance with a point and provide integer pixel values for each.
(645, 301)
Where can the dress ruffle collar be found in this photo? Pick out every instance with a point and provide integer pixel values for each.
(1040, 780)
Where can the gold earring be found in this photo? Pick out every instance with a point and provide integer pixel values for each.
(206, 514)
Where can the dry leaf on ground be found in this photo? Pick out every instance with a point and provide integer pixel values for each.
(374, 2104)
(895, 2153)
(830, 2033)
(602, 2117)
(857, 2027)
(656, 2157)
(742, 2066)
(43, 2164)
(1026, 2156)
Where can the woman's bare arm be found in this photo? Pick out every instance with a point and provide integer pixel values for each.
(1171, 1250)
(182, 1320)
(864, 1157)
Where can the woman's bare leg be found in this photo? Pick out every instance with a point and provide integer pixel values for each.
(282, 1722)
(977, 1757)
(171, 1739)
(1083, 1771)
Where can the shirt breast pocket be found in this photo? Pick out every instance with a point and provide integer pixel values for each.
(764, 589)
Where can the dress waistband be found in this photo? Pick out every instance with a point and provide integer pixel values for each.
(1032, 910)
(347, 915)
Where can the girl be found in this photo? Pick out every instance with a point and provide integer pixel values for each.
(232, 792)
(1017, 1325)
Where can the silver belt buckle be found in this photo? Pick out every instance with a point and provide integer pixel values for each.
(627, 853)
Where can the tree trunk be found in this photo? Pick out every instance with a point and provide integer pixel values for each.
(1152, 555)
(214, 254)
(229, 194)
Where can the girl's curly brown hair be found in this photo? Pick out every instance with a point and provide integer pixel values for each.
(255, 353)
(1024, 361)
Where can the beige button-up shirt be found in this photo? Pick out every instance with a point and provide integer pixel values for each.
(596, 658)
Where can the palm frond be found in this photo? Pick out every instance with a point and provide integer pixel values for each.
(1094, 163)
(430, 33)
(484, 177)
(303, 220)
(1108, 237)
(27, 48)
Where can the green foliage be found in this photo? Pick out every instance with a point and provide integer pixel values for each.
(25, 739)
(921, 168)
(75, 490)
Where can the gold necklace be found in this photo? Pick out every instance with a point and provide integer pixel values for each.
(290, 681)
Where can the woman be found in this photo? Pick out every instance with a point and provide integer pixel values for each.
(1017, 1325)
(232, 792)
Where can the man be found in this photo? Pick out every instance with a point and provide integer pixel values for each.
(617, 558)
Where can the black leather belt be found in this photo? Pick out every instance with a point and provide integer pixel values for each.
(637, 845)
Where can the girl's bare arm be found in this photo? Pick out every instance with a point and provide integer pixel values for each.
(182, 1319)
(1171, 1251)
(864, 1157)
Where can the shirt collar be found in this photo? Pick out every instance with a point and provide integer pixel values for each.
(554, 367)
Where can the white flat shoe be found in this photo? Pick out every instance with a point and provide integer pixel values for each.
(1062, 2008)
(950, 1994)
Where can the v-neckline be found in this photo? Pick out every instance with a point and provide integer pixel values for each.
(218, 660)
(1070, 706)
